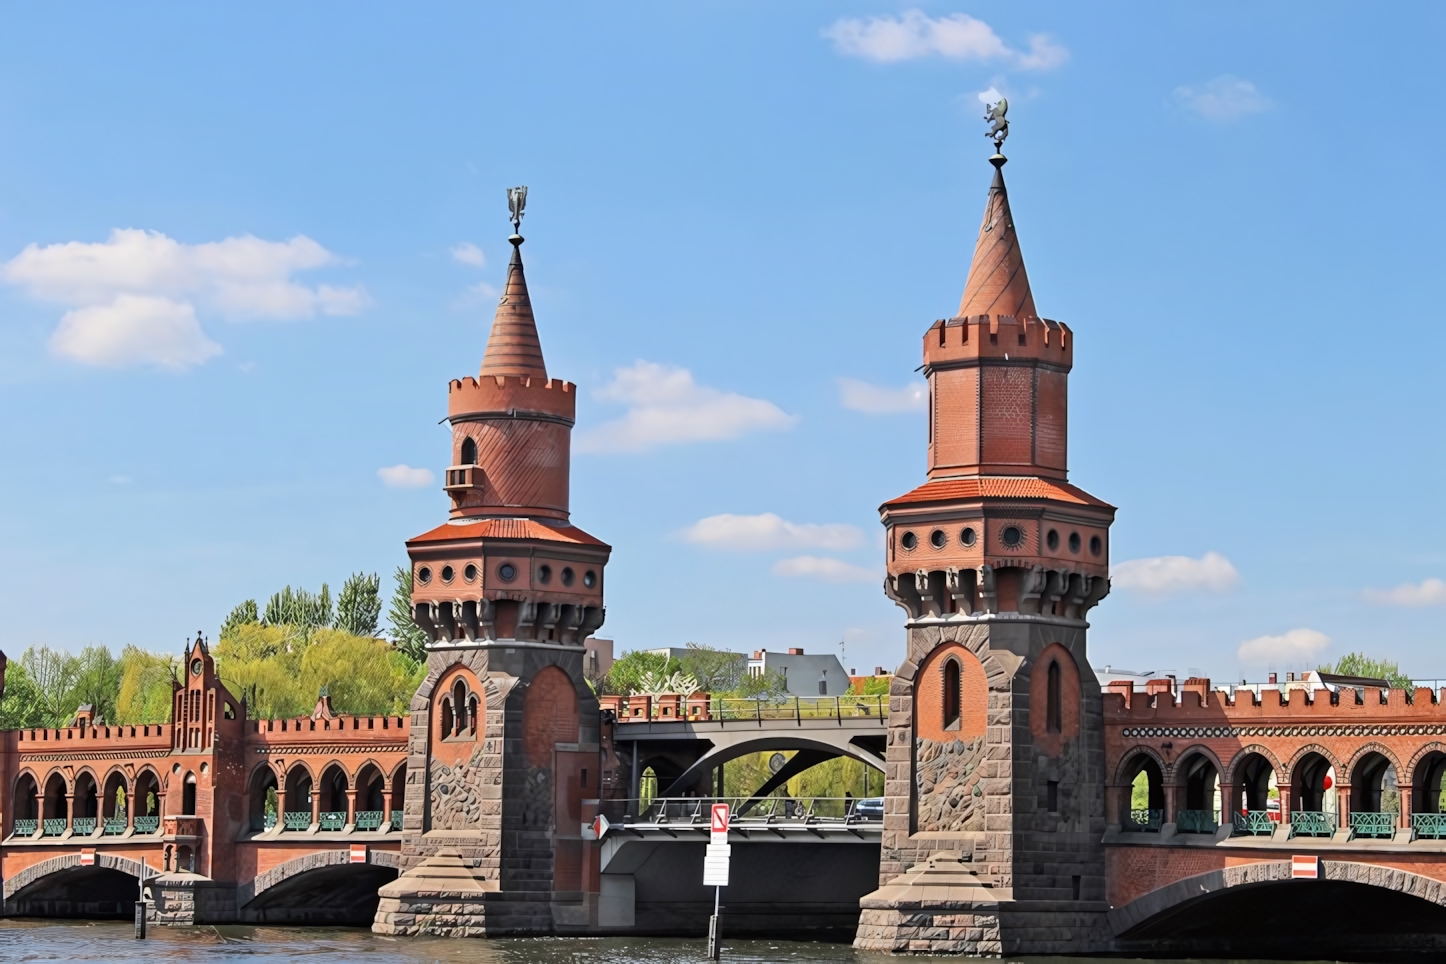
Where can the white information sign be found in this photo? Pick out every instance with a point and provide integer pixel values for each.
(715, 865)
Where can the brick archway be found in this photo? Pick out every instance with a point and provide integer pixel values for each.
(247, 893)
(66, 862)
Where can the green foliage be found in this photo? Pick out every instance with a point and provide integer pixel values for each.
(299, 608)
(240, 616)
(876, 686)
(770, 685)
(406, 635)
(147, 682)
(1359, 664)
(745, 775)
(280, 671)
(716, 670)
(628, 671)
(359, 605)
(97, 682)
(21, 706)
(53, 674)
(1140, 792)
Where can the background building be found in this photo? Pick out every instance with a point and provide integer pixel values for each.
(805, 675)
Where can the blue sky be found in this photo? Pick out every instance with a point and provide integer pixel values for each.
(242, 251)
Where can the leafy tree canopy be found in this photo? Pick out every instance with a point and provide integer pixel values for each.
(1359, 664)
(406, 635)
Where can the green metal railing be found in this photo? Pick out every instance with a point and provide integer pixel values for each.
(1144, 820)
(1312, 823)
(1196, 821)
(1430, 825)
(297, 821)
(83, 826)
(1255, 823)
(26, 828)
(368, 820)
(1373, 824)
(396, 820)
(148, 824)
(114, 826)
(54, 827)
(332, 819)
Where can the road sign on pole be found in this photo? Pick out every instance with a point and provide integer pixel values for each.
(715, 865)
(720, 823)
(715, 874)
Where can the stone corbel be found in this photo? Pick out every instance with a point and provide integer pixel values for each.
(466, 618)
(902, 591)
(1058, 586)
(567, 624)
(988, 594)
(1097, 588)
(527, 619)
(424, 614)
(960, 585)
(1032, 584)
(1079, 587)
(931, 591)
(547, 616)
(486, 619)
(592, 620)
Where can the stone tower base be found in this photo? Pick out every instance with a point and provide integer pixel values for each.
(941, 907)
(445, 896)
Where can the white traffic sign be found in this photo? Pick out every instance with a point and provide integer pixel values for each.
(720, 823)
(715, 865)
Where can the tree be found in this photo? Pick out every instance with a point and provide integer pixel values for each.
(97, 683)
(21, 706)
(299, 608)
(359, 605)
(716, 670)
(240, 616)
(406, 635)
(147, 683)
(53, 674)
(628, 671)
(1359, 664)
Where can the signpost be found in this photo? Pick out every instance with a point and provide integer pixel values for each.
(715, 872)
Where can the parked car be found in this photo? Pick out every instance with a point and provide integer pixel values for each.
(869, 808)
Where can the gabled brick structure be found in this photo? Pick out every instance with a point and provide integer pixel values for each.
(994, 801)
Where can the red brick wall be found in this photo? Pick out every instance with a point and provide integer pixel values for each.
(929, 696)
(549, 714)
(1052, 744)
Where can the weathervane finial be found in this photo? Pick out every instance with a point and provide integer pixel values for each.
(516, 202)
(999, 126)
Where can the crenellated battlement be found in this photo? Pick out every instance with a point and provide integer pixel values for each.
(1165, 701)
(952, 341)
(506, 395)
(37, 739)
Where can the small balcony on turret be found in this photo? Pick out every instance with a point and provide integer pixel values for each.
(462, 479)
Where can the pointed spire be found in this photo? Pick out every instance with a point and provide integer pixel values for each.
(998, 284)
(513, 347)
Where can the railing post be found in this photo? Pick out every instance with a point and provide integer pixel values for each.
(386, 808)
(1343, 806)
(797, 712)
(315, 805)
(758, 710)
(1403, 819)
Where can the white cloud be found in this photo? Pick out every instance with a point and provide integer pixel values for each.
(134, 330)
(957, 36)
(1226, 98)
(863, 397)
(405, 477)
(1167, 574)
(822, 567)
(1429, 592)
(769, 531)
(468, 253)
(665, 407)
(1294, 646)
(136, 294)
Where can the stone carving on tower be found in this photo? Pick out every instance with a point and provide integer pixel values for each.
(503, 759)
(994, 803)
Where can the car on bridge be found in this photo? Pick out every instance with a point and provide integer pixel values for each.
(869, 808)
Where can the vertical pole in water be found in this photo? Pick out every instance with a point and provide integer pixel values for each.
(141, 905)
(714, 938)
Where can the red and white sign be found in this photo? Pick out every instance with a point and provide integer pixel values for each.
(87, 857)
(358, 853)
(1305, 868)
(720, 820)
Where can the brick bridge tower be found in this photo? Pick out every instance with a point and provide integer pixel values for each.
(994, 802)
(503, 764)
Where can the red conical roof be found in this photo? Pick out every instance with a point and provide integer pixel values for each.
(513, 347)
(998, 284)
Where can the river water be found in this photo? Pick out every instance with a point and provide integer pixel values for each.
(114, 942)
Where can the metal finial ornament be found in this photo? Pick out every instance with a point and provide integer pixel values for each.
(999, 126)
(516, 202)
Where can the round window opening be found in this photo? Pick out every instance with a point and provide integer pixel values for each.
(195, 667)
(1074, 542)
(447, 573)
(968, 536)
(1095, 545)
(1052, 539)
(937, 538)
(567, 576)
(909, 541)
(507, 572)
(544, 573)
(1012, 536)
(470, 572)
(589, 579)
(424, 575)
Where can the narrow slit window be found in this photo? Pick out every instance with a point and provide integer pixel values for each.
(951, 693)
(1053, 714)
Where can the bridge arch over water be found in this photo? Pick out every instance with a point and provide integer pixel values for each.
(323, 887)
(1258, 910)
(63, 887)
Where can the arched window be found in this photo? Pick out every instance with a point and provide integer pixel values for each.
(951, 694)
(1054, 713)
(188, 796)
(459, 700)
(469, 451)
(448, 722)
(472, 714)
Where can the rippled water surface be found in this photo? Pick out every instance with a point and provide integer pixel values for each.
(115, 942)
